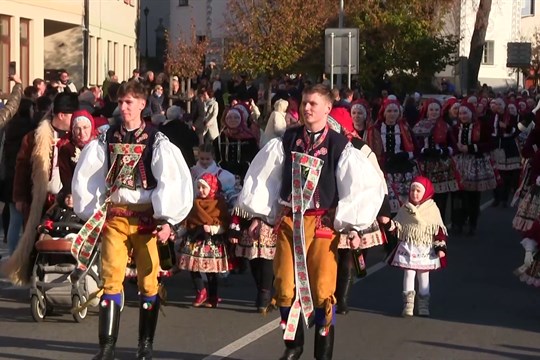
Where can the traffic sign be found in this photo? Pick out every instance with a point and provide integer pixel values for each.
(518, 54)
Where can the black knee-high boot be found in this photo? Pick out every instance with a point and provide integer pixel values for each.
(294, 348)
(324, 344)
(109, 322)
(148, 317)
(344, 280)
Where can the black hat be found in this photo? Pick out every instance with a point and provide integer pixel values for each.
(66, 103)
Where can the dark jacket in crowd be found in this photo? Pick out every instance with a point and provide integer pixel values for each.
(183, 136)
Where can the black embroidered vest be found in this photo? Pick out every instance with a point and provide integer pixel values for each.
(143, 172)
(329, 150)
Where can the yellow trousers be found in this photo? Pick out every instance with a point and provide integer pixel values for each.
(321, 264)
(119, 237)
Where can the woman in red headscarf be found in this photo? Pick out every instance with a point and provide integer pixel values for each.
(474, 167)
(506, 153)
(435, 144)
(204, 249)
(450, 111)
(422, 244)
(361, 116)
(390, 139)
(238, 142)
(82, 132)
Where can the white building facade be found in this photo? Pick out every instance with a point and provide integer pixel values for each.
(208, 16)
(44, 37)
(504, 26)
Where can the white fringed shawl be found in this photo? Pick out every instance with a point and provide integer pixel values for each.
(419, 224)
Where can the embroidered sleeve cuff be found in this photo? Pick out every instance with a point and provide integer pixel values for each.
(234, 230)
(216, 229)
(439, 245)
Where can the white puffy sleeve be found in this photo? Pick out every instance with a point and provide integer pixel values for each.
(361, 191)
(366, 150)
(88, 185)
(172, 198)
(262, 184)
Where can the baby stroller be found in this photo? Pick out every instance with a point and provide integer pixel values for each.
(51, 286)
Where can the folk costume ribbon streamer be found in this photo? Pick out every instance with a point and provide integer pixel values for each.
(122, 174)
(306, 171)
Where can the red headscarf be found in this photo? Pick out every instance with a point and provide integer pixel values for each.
(242, 131)
(343, 117)
(79, 115)
(425, 105)
(427, 185)
(365, 104)
(212, 182)
(448, 105)
(385, 104)
(471, 107)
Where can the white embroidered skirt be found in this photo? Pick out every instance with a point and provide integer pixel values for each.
(415, 257)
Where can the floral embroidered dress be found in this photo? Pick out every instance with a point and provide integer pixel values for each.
(203, 251)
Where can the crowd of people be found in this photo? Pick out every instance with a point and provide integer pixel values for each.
(287, 195)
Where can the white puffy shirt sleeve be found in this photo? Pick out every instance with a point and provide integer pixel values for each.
(172, 198)
(88, 185)
(360, 189)
(260, 194)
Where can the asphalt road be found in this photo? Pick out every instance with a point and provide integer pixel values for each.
(479, 311)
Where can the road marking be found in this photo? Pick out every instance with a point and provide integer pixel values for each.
(274, 324)
(243, 341)
(268, 328)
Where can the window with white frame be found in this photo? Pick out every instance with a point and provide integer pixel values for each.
(527, 7)
(488, 57)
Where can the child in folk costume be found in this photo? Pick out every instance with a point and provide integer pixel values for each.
(422, 246)
(207, 164)
(204, 249)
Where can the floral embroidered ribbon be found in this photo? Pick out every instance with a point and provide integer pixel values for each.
(126, 156)
(306, 171)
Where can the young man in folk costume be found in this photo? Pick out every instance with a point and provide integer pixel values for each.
(37, 181)
(288, 171)
(137, 184)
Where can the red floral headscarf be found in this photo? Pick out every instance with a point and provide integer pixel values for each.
(212, 182)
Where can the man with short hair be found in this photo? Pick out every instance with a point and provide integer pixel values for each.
(40, 86)
(65, 84)
(136, 76)
(324, 187)
(135, 184)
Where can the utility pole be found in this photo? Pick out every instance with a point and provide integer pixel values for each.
(341, 15)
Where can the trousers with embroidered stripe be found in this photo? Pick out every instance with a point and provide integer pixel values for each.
(321, 262)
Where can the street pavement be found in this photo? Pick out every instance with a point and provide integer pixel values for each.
(480, 310)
